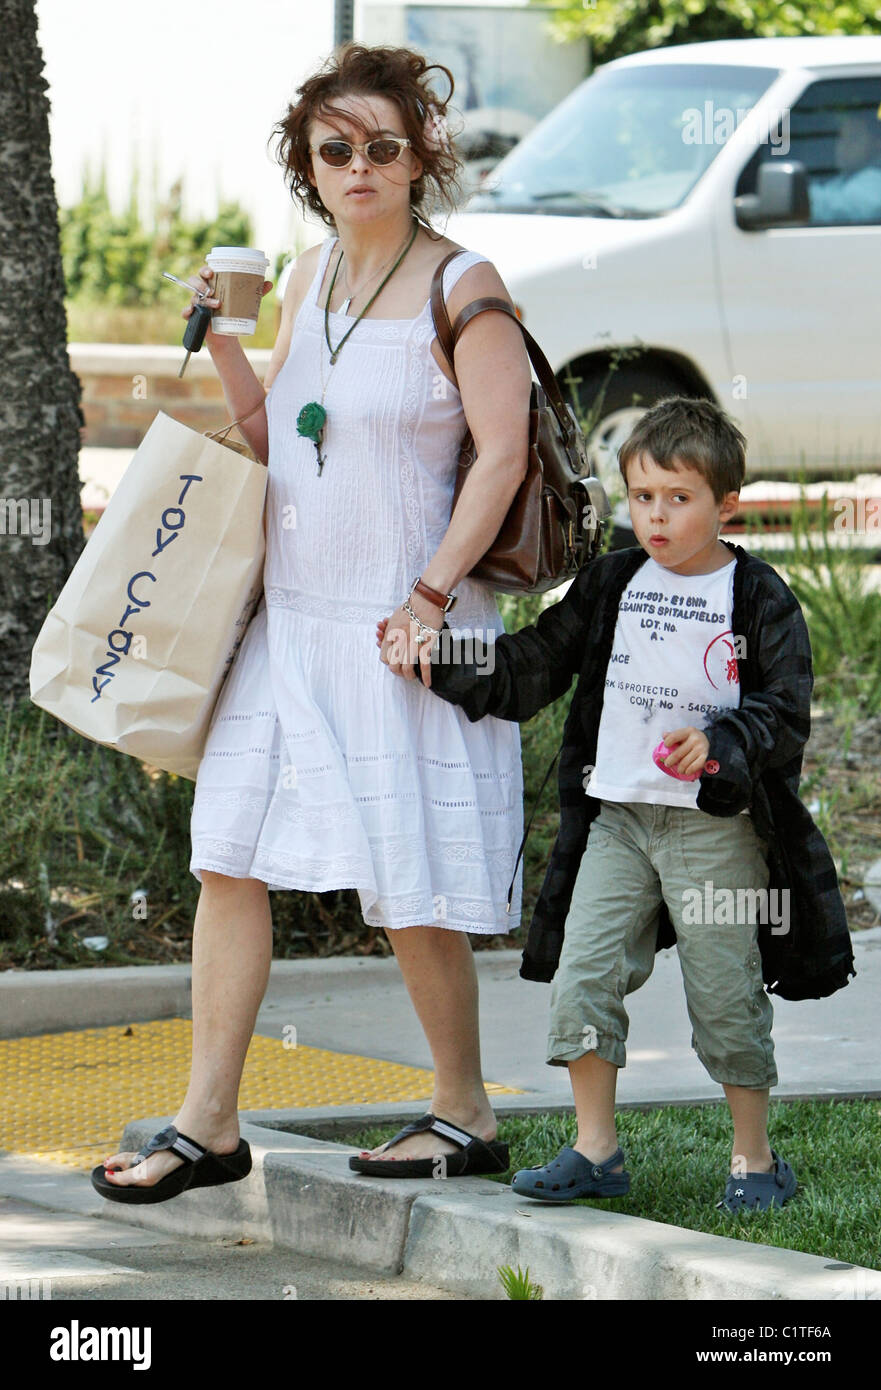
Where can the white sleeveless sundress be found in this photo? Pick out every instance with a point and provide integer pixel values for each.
(322, 768)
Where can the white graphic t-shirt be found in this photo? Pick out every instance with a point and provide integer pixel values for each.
(673, 664)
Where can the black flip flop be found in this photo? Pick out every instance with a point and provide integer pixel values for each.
(200, 1168)
(476, 1156)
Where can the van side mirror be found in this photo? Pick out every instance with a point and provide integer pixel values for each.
(780, 200)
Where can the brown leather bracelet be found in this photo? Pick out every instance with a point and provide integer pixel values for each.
(443, 601)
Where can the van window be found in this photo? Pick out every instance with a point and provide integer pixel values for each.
(628, 142)
(835, 132)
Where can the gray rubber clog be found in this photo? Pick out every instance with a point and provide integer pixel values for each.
(571, 1175)
(759, 1191)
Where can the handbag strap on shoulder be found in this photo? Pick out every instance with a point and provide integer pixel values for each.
(448, 336)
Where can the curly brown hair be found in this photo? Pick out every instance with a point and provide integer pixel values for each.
(357, 70)
(691, 431)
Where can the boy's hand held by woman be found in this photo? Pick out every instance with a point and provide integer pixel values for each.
(396, 638)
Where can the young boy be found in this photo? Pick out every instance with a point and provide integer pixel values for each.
(694, 664)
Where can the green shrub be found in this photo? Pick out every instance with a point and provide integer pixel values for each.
(112, 258)
(843, 613)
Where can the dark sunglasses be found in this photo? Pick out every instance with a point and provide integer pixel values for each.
(339, 153)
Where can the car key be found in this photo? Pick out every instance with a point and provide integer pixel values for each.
(197, 325)
(194, 337)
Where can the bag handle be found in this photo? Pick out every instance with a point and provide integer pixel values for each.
(220, 435)
(448, 336)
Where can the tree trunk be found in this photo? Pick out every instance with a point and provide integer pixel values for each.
(41, 532)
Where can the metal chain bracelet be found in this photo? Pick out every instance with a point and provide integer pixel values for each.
(424, 628)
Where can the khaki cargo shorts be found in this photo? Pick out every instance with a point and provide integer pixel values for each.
(708, 870)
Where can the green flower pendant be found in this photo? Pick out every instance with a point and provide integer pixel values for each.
(310, 424)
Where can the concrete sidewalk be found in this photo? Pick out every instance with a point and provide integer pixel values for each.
(823, 1046)
(360, 1006)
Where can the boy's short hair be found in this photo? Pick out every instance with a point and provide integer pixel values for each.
(680, 430)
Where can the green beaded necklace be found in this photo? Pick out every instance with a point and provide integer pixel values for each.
(313, 416)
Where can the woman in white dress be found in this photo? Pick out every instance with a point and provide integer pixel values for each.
(327, 765)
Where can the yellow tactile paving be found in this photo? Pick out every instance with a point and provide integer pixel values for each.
(66, 1097)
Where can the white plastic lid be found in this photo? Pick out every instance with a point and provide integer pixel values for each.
(239, 253)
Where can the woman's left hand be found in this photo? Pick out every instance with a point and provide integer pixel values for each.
(395, 637)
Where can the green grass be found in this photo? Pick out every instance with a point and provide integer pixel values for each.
(678, 1160)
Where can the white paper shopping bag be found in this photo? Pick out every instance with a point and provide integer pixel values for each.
(135, 650)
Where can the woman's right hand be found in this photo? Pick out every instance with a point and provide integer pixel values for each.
(203, 280)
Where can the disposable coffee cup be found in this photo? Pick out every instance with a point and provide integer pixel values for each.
(239, 272)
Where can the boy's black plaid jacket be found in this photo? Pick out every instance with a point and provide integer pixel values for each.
(758, 746)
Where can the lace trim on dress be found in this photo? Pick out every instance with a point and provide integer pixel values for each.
(415, 539)
(498, 861)
(327, 815)
(241, 752)
(242, 856)
(459, 914)
(248, 714)
(494, 774)
(234, 800)
(336, 610)
(476, 618)
(396, 910)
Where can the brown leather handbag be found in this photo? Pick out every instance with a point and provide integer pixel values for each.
(554, 523)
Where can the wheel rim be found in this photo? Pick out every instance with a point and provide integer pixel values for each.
(605, 441)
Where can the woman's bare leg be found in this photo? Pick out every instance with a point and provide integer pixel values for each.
(438, 968)
(232, 953)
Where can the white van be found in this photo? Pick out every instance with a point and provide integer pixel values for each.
(717, 207)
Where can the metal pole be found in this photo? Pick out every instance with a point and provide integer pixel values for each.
(343, 21)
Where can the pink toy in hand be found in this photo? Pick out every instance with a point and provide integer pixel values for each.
(660, 753)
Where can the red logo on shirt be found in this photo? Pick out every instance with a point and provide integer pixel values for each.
(720, 657)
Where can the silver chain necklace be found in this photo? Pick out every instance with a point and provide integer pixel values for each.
(344, 307)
